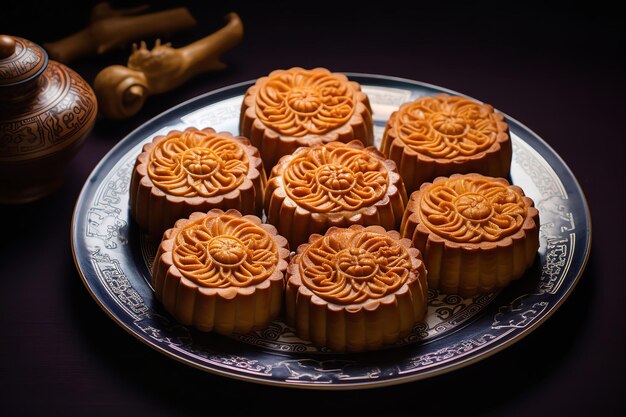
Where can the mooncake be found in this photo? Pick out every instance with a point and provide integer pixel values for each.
(335, 184)
(355, 289)
(476, 233)
(443, 135)
(194, 170)
(221, 271)
(304, 107)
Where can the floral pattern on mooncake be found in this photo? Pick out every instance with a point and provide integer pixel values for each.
(443, 135)
(336, 184)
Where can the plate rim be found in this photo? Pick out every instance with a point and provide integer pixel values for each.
(479, 356)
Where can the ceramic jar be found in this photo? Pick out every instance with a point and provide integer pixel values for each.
(46, 112)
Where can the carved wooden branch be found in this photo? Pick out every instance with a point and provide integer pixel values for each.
(112, 28)
(122, 90)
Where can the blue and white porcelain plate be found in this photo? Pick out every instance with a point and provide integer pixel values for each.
(113, 258)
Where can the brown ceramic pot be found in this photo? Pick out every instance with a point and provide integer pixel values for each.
(46, 112)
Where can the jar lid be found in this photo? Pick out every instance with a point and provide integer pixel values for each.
(20, 60)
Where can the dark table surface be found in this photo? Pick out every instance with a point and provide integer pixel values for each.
(559, 70)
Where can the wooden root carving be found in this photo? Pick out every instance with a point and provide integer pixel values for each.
(111, 28)
(122, 90)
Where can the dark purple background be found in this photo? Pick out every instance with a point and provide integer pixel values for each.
(559, 70)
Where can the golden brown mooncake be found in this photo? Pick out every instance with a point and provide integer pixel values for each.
(442, 135)
(299, 107)
(195, 170)
(355, 289)
(476, 233)
(335, 184)
(221, 271)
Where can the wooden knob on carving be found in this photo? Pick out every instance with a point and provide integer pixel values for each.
(7, 46)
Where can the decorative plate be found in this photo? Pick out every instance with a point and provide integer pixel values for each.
(113, 258)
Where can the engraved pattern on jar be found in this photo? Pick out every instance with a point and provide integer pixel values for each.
(370, 267)
(197, 163)
(305, 102)
(61, 106)
(224, 251)
(472, 210)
